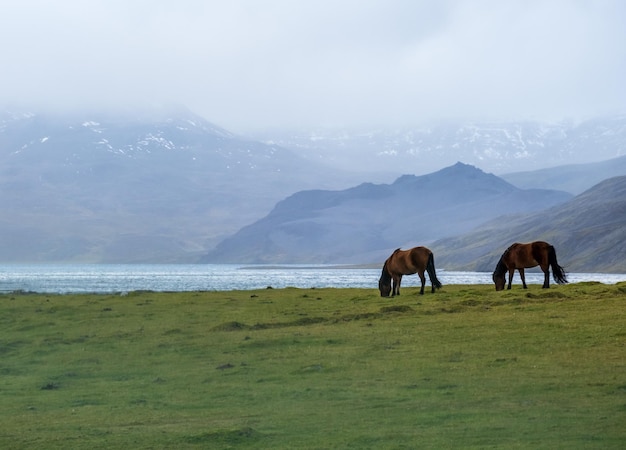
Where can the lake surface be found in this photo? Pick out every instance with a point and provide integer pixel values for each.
(121, 278)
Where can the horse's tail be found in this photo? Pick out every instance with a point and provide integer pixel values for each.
(430, 268)
(558, 273)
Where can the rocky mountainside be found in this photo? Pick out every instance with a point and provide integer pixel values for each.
(588, 232)
(494, 147)
(158, 187)
(365, 223)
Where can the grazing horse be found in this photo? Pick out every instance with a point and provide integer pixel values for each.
(523, 256)
(407, 262)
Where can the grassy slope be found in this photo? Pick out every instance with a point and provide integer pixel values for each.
(588, 233)
(319, 368)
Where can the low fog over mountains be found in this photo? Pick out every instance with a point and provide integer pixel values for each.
(168, 186)
(494, 147)
(159, 187)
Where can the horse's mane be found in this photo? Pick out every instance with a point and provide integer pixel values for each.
(384, 276)
(501, 268)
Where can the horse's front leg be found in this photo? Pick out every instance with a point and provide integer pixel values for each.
(511, 272)
(396, 285)
(523, 277)
(423, 280)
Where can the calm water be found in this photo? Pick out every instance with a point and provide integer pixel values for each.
(113, 278)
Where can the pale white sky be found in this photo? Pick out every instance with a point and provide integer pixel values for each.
(250, 64)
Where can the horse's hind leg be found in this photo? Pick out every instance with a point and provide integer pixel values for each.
(423, 280)
(523, 277)
(546, 277)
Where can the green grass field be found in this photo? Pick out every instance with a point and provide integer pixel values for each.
(466, 367)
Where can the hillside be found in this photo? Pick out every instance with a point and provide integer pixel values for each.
(365, 223)
(589, 233)
(160, 186)
(572, 178)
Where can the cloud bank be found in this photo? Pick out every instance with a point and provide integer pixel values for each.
(249, 65)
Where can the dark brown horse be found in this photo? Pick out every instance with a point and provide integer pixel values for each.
(524, 256)
(407, 262)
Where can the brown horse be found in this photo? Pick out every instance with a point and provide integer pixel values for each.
(407, 262)
(523, 256)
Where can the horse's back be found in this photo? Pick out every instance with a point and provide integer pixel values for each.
(419, 255)
(407, 262)
(526, 255)
(541, 246)
(514, 247)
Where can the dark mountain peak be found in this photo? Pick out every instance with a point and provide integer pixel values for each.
(367, 220)
(459, 177)
(458, 170)
(461, 168)
(464, 171)
(447, 182)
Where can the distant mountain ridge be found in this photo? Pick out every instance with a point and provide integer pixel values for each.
(363, 223)
(494, 147)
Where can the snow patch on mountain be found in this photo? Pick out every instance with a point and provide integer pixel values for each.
(496, 147)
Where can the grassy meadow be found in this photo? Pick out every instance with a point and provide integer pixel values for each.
(466, 367)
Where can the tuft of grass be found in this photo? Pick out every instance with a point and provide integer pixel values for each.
(227, 438)
(315, 368)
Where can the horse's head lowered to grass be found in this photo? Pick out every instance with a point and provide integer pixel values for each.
(524, 256)
(407, 262)
(384, 283)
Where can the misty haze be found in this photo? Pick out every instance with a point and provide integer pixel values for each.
(333, 133)
(173, 187)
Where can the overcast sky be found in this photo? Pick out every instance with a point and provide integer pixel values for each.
(251, 64)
